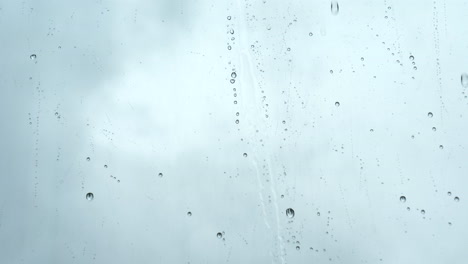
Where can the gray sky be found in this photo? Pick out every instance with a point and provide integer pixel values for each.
(144, 87)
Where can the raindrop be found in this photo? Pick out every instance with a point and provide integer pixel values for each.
(402, 199)
(233, 74)
(449, 193)
(237, 121)
(335, 8)
(337, 104)
(411, 58)
(33, 56)
(89, 196)
(219, 235)
(88, 159)
(430, 115)
(456, 199)
(298, 248)
(434, 129)
(245, 155)
(160, 175)
(105, 166)
(290, 213)
(464, 80)
(423, 211)
(441, 146)
(189, 213)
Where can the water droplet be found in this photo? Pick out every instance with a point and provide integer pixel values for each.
(331, 71)
(337, 104)
(231, 31)
(402, 199)
(288, 49)
(160, 175)
(189, 213)
(284, 121)
(245, 155)
(423, 211)
(411, 58)
(89, 196)
(237, 113)
(318, 213)
(233, 81)
(434, 129)
(450, 223)
(441, 146)
(407, 208)
(105, 166)
(290, 213)
(311, 34)
(88, 159)
(33, 56)
(449, 193)
(456, 199)
(229, 18)
(415, 68)
(430, 115)
(298, 248)
(219, 235)
(464, 80)
(229, 47)
(335, 8)
(237, 121)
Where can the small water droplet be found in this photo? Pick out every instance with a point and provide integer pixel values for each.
(311, 34)
(331, 71)
(402, 199)
(449, 193)
(335, 8)
(415, 68)
(423, 211)
(245, 155)
(362, 58)
(219, 235)
(33, 56)
(229, 18)
(318, 213)
(231, 31)
(88, 159)
(407, 208)
(89, 196)
(441, 146)
(290, 213)
(189, 213)
(456, 199)
(298, 248)
(411, 57)
(105, 166)
(337, 104)
(434, 129)
(464, 80)
(160, 175)
(430, 115)
(232, 81)
(233, 74)
(237, 121)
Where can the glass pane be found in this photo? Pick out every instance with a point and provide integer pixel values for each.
(233, 131)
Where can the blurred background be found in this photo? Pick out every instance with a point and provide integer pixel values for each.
(206, 131)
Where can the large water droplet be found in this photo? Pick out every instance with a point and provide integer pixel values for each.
(89, 196)
(402, 199)
(464, 80)
(335, 8)
(290, 213)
